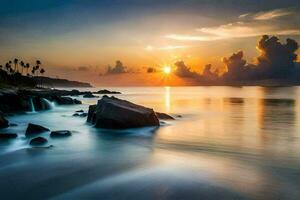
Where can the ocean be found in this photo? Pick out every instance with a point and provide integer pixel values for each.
(226, 143)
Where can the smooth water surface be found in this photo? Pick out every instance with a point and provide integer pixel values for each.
(229, 143)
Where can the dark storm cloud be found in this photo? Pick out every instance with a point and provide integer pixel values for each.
(277, 61)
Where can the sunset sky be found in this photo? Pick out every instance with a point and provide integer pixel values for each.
(78, 39)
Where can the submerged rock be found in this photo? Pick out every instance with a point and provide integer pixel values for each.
(89, 95)
(164, 116)
(79, 111)
(62, 133)
(3, 122)
(114, 113)
(38, 141)
(8, 135)
(35, 129)
(80, 115)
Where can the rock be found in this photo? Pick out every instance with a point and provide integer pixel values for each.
(35, 129)
(12, 101)
(107, 92)
(77, 101)
(79, 111)
(91, 114)
(164, 116)
(89, 95)
(62, 133)
(8, 135)
(3, 122)
(38, 141)
(75, 115)
(40, 104)
(83, 115)
(114, 113)
(65, 100)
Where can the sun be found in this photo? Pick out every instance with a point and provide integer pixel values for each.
(167, 69)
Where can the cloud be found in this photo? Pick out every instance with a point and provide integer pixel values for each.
(268, 15)
(169, 47)
(151, 70)
(276, 61)
(118, 69)
(183, 71)
(248, 25)
(83, 68)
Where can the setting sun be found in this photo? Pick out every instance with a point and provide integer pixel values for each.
(167, 69)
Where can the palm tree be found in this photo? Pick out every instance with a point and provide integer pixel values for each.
(42, 71)
(16, 61)
(27, 68)
(22, 66)
(38, 62)
(7, 66)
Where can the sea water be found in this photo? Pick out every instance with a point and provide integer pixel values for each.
(228, 143)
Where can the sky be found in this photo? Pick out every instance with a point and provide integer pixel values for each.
(79, 39)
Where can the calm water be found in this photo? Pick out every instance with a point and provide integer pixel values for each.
(231, 143)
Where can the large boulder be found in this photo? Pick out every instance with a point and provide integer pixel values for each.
(12, 101)
(164, 116)
(114, 113)
(3, 122)
(35, 129)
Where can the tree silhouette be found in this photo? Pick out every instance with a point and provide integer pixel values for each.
(42, 71)
(22, 64)
(16, 62)
(27, 68)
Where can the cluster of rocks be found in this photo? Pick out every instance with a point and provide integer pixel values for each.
(33, 130)
(114, 113)
(12, 101)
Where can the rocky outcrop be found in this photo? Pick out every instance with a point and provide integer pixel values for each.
(40, 104)
(3, 122)
(164, 116)
(63, 133)
(38, 141)
(8, 135)
(65, 100)
(12, 101)
(114, 113)
(33, 129)
(106, 92)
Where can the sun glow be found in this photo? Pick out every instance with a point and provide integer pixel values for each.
(167, 69)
